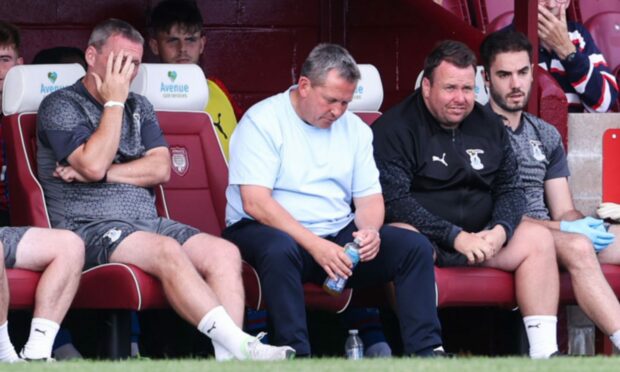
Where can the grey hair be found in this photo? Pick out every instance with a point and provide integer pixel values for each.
(103, 31)
(325, 57)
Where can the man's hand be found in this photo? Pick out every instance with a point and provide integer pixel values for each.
(370, 241)
(496, 237)
(115, 84)
(332, 259)
(68, 174)
(553, 32)
(593, 228)
(474, 247)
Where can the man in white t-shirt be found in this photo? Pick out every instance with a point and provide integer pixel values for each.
(299, 161)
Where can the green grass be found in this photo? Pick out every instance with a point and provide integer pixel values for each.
(461, 364)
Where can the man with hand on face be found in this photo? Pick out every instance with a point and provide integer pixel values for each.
(569, 53)
(506, 56)
(299, 161)
(447, 169)
(100, 152)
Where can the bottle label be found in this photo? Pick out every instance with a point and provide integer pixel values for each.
(355, 353)
(335, 285)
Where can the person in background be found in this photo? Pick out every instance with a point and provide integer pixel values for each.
(9, 56)
(571, 56)
(176, 36)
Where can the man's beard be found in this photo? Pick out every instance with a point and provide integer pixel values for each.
(503, 104)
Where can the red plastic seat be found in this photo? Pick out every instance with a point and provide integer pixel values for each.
(605, 30)
(460, 8)
(586, 9)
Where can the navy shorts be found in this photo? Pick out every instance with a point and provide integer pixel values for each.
(101, 238)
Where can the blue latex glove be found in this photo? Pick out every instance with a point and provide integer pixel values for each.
(593, 228)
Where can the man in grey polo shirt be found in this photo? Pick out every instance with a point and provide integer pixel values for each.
(100, 152)
(544, 173)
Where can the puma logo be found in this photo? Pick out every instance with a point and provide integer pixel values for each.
(212, 328)
(40, 331)
(218, 125)
(442, 160)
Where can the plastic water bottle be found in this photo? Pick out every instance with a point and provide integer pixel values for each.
(335, 287)
(354, 347)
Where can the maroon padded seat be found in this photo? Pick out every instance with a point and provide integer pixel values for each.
(458, 8)
(117, 286)
(586, 9)
(605, 30)
(195, 194)
(474, 286)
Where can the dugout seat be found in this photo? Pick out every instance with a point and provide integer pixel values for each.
(115, 287)
(605, 30)
(586, 9)
(195, 193)
(368, 94)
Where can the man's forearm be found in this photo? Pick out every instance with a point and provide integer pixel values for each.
(95, 156)
(369, 212)
(148, 171)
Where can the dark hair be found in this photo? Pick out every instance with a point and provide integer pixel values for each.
(9, 35)
(325, 57)
(61, 54)
(503, 41)
(104, 30)
(451, 51)
(168, 13)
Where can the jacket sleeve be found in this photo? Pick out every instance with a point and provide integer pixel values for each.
(507, 190)
(589, 74)
(396, 178)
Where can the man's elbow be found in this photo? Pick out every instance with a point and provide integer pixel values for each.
(93, 174)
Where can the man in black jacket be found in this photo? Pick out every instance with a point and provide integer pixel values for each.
(448, 169)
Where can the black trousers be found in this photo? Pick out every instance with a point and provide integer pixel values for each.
(405, 257)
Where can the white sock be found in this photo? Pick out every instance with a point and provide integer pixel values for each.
(615, 339)
(221, 353)
(218, 326)
(41, 339)
(541, 333)
(7, 351)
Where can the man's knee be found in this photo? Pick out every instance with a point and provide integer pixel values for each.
(278, 247)
(69, 248)
(218, 255)
(577, 252)
(409, 241)
(537, 239)
(167, 254)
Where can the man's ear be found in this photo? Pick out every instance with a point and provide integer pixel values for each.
(303, 86)
(90, 55)
(154, 46)
(486, 77)
(203, 42)
(426, 87)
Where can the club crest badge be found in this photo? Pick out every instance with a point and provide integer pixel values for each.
(474, 159)
(180, 160)
(536, 150)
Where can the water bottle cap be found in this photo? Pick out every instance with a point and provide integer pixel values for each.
(353, 331)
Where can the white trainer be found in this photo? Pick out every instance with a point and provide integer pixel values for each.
(256, 350)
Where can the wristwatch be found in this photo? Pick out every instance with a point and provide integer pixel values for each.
(571, 57)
